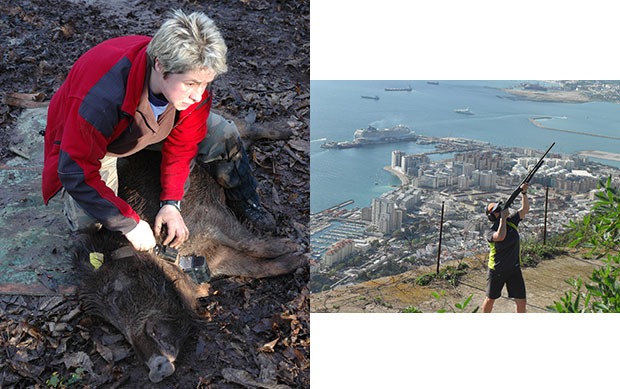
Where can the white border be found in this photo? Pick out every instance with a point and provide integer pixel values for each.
(476, 39)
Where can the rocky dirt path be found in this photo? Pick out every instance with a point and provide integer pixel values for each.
(545, 284)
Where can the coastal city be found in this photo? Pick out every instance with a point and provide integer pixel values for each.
(570, 91)
(399, 231)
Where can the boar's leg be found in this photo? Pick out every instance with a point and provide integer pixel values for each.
(247, 243)
(208, 218)
(229, 262)
(251, 131)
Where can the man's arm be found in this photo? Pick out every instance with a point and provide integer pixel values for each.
(180, 147)
(500, 234)
(525, 204)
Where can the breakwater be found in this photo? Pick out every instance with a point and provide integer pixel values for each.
(535, 122)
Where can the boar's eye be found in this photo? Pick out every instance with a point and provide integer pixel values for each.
(158, 329)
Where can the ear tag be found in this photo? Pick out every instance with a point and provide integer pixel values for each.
(96, 259)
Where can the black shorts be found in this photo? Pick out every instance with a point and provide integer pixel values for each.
(513, 280)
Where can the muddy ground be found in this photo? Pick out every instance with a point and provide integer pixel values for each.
(258, 330)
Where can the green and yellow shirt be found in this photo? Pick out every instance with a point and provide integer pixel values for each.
(505, 255)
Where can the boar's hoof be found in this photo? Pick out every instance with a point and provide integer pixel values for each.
(160, 368)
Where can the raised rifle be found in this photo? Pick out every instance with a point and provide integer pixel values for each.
(526, 180)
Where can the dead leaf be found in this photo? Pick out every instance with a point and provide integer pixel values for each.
(104, 351)
(274, 195)
(294, 354)
(25, 100)
(269, 347)
(263, 325)
(49, 282)
(246, 379)
(293, 196)
(300, 145)
(79, 359)
(119, 351)
(295, 157)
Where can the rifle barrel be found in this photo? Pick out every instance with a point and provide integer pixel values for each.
(527, 178)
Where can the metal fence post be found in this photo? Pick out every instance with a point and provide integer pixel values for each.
(440, 234)
(546, 205)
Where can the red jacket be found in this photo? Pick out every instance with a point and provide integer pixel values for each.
(94, 106)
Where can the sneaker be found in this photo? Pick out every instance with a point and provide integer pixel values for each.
(255, 214)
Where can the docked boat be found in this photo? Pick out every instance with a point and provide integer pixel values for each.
(371, 97)
(373, 135)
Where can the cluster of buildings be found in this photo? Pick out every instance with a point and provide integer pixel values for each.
(464, 184)
(467, 170)
(337, 252)
(481, 169)
(388, 212)
(596, 90)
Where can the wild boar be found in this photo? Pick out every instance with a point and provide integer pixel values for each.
(150, 301)
(153, 302)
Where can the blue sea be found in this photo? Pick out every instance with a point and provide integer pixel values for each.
(337, 110)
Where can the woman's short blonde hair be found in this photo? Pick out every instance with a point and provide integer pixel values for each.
(188, 42)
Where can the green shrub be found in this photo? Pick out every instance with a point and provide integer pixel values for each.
(411, 309)
(534, 252)
(598, 231)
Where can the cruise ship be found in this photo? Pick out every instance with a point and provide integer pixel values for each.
(373, 135)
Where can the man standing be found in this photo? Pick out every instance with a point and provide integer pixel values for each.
(504, 267)
(131, 93)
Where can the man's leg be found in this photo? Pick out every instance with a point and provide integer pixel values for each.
(495, 283)
(516, 290)
(79, 220)
(487, 306)
(223, 155)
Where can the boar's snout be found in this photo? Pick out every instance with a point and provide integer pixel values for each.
(160, 367)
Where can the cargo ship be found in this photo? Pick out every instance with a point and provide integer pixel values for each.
(373, 135)
(463, 111)
(432, 82)
(399, 89)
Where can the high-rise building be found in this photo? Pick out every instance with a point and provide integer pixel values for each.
(385, 215)
(397, 158)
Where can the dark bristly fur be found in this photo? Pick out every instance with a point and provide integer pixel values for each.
(229, 247)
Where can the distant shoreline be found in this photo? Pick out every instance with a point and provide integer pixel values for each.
(550, 96)
(601, 155)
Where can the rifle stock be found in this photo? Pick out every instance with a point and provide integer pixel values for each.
(526, 180)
